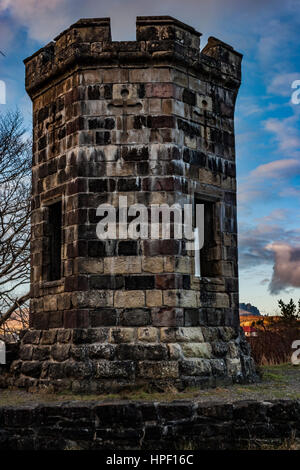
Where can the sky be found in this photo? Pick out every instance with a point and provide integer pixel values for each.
(267, 120)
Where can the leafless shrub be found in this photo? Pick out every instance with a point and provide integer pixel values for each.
(273, 344)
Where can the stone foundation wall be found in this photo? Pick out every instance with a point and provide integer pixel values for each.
(112, 358)
(149, 426)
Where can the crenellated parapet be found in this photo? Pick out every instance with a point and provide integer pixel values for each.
(159, 41)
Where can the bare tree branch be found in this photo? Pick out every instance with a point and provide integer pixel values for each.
(17, 304)
(15, 190)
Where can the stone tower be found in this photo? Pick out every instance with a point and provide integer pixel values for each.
(153, 120)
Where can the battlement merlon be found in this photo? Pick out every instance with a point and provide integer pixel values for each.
(161, 41)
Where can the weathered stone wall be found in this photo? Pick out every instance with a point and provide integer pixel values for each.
(178, 142)
(112, 358)
(149, 426)
(152, 120)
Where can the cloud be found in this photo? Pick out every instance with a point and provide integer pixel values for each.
(286, 270)
(268, 45)
(281, 84)
(44, 19)
(277, 215)
(255, 240)
(262, 182)
(38, 16)
(269, 242)
(278, 33)
(277, 169)
(6, 35)
(286, 133)
(249, 191)
(292, 192)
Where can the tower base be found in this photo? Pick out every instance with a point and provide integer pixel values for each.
(109, 359)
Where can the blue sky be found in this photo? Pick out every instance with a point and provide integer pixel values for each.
(267, 122)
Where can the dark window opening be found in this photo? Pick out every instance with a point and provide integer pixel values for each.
(55, 229)
(205, 261)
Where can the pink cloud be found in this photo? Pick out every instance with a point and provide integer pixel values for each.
(40, 17)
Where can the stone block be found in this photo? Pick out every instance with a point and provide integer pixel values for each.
(227, 333)
(234, 367)
(153, 265)
(92, 335)
(91, 266)
(60, 352)
(122, 335)
(218, 367)
(32, 337)
(175, 351)
(93, 299)
(220, 348)
(122, 265)
(134, 317)
(233, 350)
(115, 369)
(181, 335)
(157, 370)
(48, 337)
(26, 352)
(142, 352)
(201, 367)
(196, 350)
(101, 351)
(167, 316)
(64, 336)
(50, 303)
(147, 334)
(31, 368)
(103, 317)
(41, 353)
(153, 298)
(132, 299)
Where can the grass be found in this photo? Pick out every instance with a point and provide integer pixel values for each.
(274, 377)
(291, 443)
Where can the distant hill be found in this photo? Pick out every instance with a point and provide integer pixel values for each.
(248, 309)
